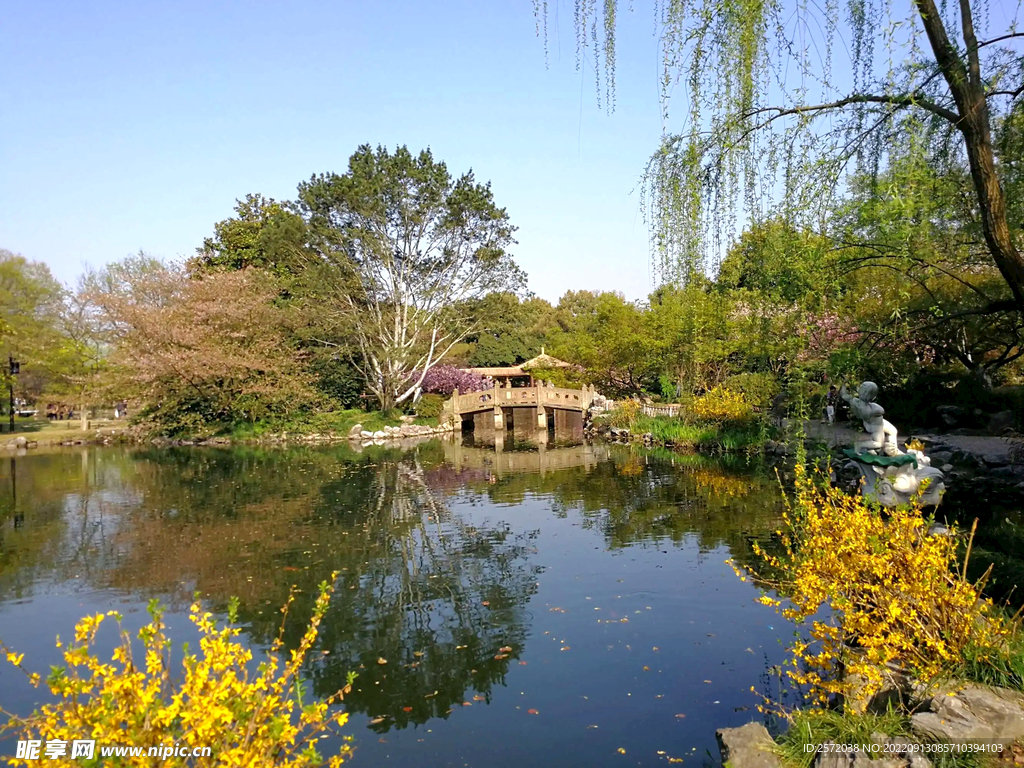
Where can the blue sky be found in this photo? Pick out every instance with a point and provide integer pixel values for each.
(136, 125)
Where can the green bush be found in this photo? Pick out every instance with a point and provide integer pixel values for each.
(429, 406)
(758, 388)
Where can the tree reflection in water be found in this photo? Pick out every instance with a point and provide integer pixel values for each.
(432, 597)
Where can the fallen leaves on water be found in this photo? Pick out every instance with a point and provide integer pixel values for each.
(675, 759)
(500, 656)
(478, 697)
(505, 649)
(467, 703)
(532, 712)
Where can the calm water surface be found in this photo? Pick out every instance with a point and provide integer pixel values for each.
(601, 568)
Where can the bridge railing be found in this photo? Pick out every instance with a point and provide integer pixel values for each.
(498, 397)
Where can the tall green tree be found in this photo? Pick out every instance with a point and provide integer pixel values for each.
(413, 249)
(263, 233)
(30, 307)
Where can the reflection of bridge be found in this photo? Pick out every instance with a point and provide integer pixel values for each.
(565, 406)
(543, 460)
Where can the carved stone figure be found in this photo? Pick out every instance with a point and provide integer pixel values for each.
(889, 476)
(880, 434)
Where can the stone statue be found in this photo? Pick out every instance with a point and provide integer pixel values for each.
(880, 434)
(892, 477)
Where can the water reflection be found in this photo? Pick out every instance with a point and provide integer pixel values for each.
(458, 565)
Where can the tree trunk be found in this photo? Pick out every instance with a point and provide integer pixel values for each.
(968, 90)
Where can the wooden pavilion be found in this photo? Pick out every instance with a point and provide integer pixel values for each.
(521, 375)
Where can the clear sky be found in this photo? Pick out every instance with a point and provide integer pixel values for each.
(136, 125)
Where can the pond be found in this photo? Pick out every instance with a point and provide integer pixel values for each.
(600, 569)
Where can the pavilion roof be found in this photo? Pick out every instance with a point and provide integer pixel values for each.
(523, 369)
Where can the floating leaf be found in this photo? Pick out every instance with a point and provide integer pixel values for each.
(418, 654)
(505, 649)
(478, 697)
(467, 703)
(382, 660)
(500, 656)
(407, 709)
(485, 602)
(621, 751)
(647, 669)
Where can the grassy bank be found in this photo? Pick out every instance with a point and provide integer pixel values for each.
(705, 438)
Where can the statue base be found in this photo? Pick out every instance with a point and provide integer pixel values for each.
(894, 480)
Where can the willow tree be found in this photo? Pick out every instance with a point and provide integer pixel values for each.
(785, 98)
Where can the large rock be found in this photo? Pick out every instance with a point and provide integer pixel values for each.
(971, 712)
(356, 432)
(1001, 422)
(749, 746)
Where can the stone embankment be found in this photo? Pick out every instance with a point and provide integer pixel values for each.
(966, 713)
(358, 434)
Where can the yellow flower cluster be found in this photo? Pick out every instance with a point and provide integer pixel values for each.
(721, 405)
(894, 592)
(248, 718)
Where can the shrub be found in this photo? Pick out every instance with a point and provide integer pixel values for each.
(758, 388)
(246, 718)
(895, 595)
(720, 406)
(445, 379)
(429, 406)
